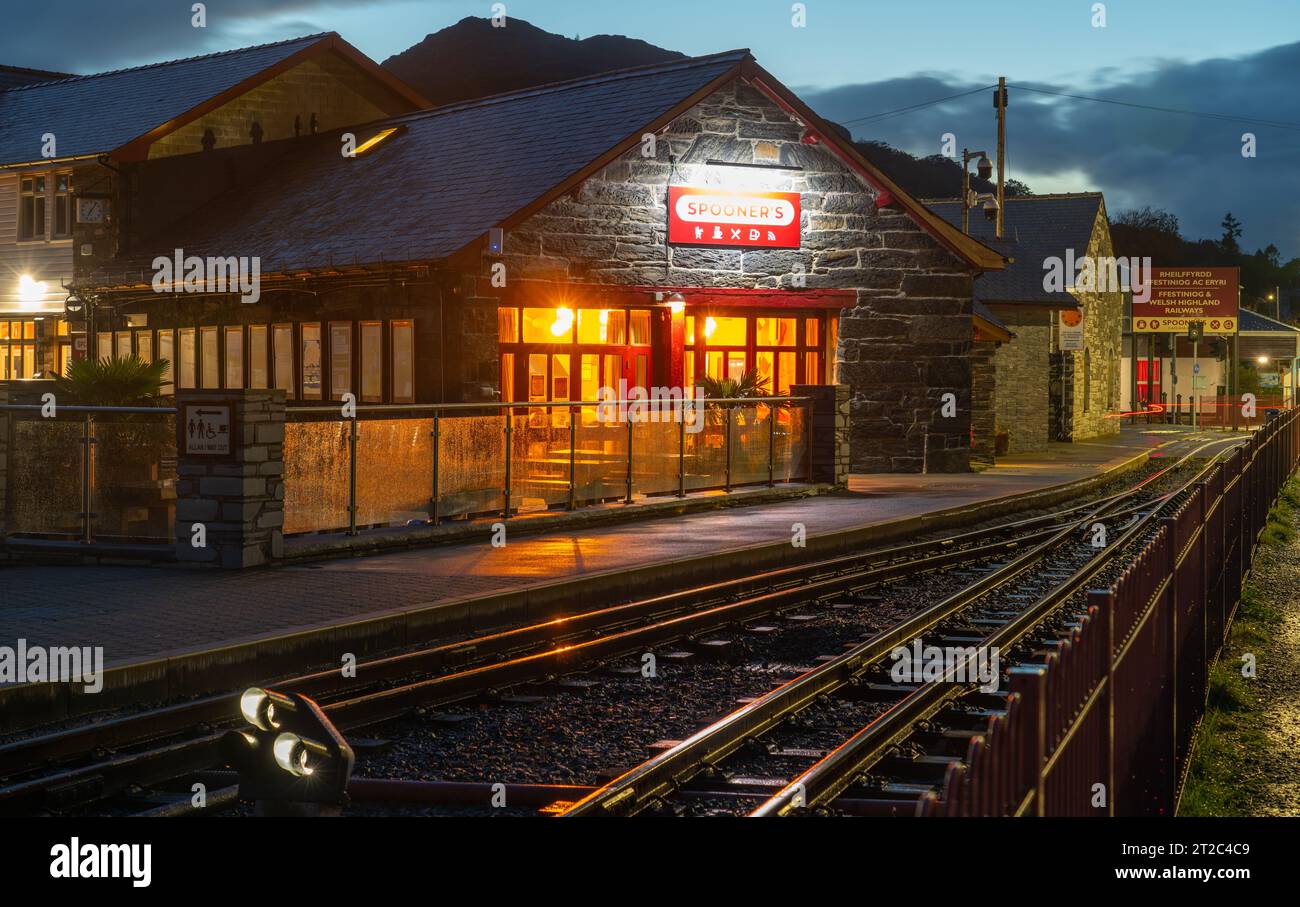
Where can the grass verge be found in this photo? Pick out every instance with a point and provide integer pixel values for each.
(1231, 733)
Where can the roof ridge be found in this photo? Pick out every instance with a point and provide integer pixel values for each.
(161, 63)
(952, 200)
(613, 75)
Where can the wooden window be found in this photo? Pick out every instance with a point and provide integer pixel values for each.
(210, 356)
(340, 359)
(186, 358)
(103, 345)
(31, 207)
(403, 346)
(372, 361)
(311, 361)
(282, 350)
(167, 352)
(122, 346)
(144, 345)
(257, 359)
(62, 206)
(234, 356)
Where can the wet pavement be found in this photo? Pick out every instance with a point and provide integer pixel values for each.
(139, 613)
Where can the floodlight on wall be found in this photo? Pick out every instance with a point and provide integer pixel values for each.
(676, 303)
(30, 290)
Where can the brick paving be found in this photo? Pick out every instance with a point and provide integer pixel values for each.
(142, 612)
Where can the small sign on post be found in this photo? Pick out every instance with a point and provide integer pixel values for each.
(205, 430)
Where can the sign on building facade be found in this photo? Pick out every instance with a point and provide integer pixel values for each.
(1181, 296)
(716, 217)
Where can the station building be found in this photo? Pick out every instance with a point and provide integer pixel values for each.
(1045, 391)
(522, 248)
(88, 161)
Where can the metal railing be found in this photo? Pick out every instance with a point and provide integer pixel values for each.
(1117, 702)
(70, 477)
(389, 464)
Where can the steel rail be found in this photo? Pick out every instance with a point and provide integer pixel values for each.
(840, 768)
(663, 774)
(666, 772)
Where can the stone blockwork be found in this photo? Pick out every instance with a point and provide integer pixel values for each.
(1021, 387)
(830, 424)
(1093, 390)
(239, 501)
(983, 413)
(903, 345)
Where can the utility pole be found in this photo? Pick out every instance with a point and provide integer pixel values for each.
(1000, 102)
(965, 191)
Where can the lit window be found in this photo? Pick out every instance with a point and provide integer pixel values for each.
(166, 351)
(340, 359)
(282, 350)
(187, 358)
(234, 356)
(210, 356)
(311, 361)
(372, 361)
(257, 349)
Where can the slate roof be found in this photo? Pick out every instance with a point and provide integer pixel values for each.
(1035, 227)
(1248, 320)
(13, 76)
(980, 310)
(428, 191)
(97, 113)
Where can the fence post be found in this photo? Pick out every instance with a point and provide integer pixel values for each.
(726, 412)
(352, 475)
(1104, 601)
(771, 445)
(681, 449)
(87, 476)
(509, 430)
(628, 499)
(437, 464)
(573, 458)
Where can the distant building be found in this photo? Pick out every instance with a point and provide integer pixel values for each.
(1043, 392)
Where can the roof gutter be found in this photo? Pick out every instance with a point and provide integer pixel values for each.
(51, 161)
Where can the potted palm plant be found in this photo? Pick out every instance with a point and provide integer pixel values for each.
(134, 453)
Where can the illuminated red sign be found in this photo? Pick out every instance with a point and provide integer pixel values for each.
(716, 217)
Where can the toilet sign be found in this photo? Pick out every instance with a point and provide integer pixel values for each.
(205, 430)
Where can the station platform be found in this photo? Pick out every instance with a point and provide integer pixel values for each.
(169, 630)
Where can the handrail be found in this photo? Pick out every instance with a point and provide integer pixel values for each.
(537, 404)
(70, 408)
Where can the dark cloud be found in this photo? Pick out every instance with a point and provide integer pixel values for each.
(1191, 166)
(94, 35)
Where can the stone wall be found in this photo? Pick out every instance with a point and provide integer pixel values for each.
(983, 413)
(1021, 391)
(904, 343)
(830, 431)
(1094, 389)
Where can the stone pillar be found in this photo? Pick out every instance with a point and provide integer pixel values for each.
(235, 490)
(829, 414)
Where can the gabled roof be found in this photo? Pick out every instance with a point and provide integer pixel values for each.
(1253, 322)
(125, 110)
(452, 173)
(14, 76)
(1035, 228)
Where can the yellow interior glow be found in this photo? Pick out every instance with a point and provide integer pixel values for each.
(375, 140)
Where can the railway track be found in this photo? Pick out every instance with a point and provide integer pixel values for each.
(1004, 609)
(71, 768)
